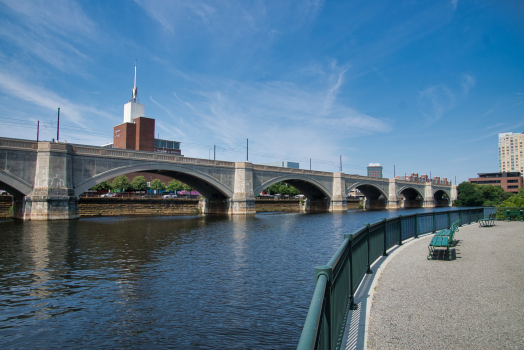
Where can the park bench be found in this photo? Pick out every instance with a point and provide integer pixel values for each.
(443, 239)
(514, 213)
(489, 221)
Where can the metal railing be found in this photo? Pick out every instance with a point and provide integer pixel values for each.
(337, 281)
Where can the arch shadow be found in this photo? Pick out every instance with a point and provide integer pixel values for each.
(311, 188)
(208, 186)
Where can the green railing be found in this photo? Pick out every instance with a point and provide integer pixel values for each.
(337, 281)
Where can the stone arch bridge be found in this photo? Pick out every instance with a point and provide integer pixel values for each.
(46, 179)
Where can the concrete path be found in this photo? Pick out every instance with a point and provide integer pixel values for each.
(475, 301)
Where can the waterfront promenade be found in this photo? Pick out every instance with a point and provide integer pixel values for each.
(474, 301)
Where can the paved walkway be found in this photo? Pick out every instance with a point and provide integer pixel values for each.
(475, 301)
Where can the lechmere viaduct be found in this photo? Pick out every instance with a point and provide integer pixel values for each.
(46, 179)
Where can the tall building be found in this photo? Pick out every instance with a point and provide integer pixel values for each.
(138, 132)
(374, 170)
(510, 152)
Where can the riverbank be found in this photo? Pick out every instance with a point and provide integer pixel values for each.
(5, 204)
(475, 299)
(96, 206)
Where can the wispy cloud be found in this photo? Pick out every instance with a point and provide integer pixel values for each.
(40, 96)
(434, 101)
(302, 119)
(53, 31)
(454, 4)
(468, 82)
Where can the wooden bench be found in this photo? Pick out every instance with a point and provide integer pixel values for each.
(514, 213)
(443, 239)
(489, 221)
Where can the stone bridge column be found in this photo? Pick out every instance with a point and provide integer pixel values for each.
(392, 195)
(454, 194)
(243, 201)
(339, 201)
(429, 201)
(53, 195)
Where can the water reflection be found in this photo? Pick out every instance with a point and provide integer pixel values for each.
(168, 282)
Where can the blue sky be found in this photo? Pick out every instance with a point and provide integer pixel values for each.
(422, 86)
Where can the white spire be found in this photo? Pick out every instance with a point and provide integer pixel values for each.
(135, 90)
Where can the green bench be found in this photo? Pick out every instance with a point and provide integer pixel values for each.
(489, 221)
(443, 239)
(514, 213)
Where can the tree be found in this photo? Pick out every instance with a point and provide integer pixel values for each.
(186, 187)
(514, 201)
(174, 185)
(156, 184)
(121, 182)
(473, 195)
(282, 188)
(139, 183)
(103, 186)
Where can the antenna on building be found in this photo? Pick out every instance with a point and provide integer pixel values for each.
(135, 90)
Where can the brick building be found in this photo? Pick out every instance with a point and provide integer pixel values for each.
(138, 132)
(509, 181)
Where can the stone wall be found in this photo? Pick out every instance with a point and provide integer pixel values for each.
(89, 207)
(5, 204)
(268, 205)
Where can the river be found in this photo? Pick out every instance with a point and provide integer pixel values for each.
(179, 282)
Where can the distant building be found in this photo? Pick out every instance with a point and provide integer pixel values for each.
(284, 164)
(509, 181)
(138, 132)
(510, 152)
(374, 170)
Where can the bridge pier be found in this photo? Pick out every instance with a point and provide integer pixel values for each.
(243, 201)
(339, 200)
(53, 195)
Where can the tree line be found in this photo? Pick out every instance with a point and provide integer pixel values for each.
(139, 183)
(474, 195)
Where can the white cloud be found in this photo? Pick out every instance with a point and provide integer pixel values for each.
(52, 31)
(434, 101)
(468, 82)
(40, 96)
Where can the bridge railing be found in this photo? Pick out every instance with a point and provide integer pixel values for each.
(336, 282)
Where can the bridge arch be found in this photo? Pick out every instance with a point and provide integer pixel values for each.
(410, 193)
(14, 185)
(310, 187)
(205, 184)
(441, 197)
(370, 190)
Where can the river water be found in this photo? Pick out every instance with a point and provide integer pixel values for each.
(182, 282)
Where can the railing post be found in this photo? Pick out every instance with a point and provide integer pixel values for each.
(385, 242)
(434, 223)
(400, 233)
(369, 271)
(327, 271)
(416, 225)
(469, 216)
(352, 305)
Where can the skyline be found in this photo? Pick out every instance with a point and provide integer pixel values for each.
(423, 87)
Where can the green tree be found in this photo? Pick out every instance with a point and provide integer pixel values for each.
(515, 200)
(282, 188)
(139, 183)
(158, 185)
(473, 195)
(174, 185)
(103, 186)
(121, 182)
(186, 187)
